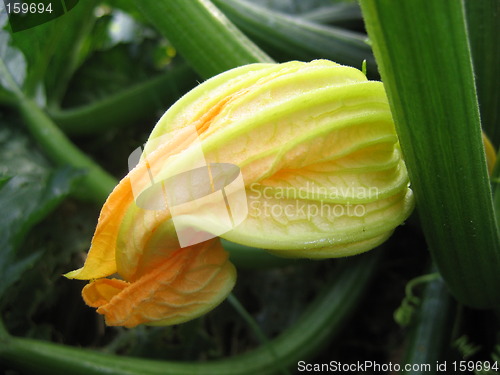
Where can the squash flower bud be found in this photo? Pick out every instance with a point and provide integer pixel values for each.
(300, 159)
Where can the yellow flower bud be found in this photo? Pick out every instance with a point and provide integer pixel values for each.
(301, 159)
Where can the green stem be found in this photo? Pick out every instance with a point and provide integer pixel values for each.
(97, 183)
(202, 34)
(430, 333)
(127, 107)
(324, 317)
(254, 327)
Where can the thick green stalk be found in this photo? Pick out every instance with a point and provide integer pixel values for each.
(423, 54)
(324, 317)
(202, 34)
(128, 106)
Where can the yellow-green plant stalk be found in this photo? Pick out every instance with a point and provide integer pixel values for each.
(298, 158)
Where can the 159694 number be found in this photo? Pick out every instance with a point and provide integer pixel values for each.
(475, 366)
(23, 8)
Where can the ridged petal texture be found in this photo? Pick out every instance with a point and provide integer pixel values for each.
(318, 151)
(322, 174)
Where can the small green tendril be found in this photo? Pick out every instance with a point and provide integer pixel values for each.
(405, 312)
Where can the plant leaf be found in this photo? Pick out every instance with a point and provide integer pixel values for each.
(31, 194)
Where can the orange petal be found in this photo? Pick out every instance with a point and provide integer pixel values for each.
(100, 292)
(188, 284)
(100, 260)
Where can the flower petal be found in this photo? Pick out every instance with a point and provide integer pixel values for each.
(100, 292)
(191, 282)
(312, 229)
(100, 260)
